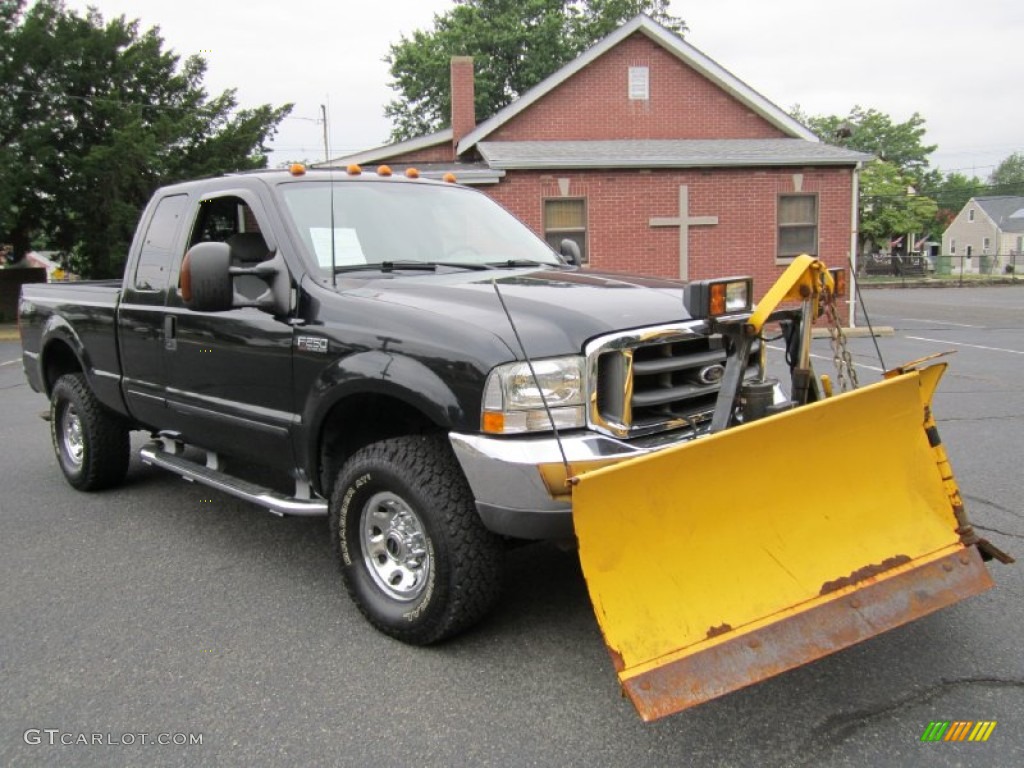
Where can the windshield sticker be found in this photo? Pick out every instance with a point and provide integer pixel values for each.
(347, 249)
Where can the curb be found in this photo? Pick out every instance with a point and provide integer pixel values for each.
(856, 333)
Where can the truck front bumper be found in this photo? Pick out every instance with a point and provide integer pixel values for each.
(520, 482)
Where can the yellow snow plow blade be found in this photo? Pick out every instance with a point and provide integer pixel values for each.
(737, 556)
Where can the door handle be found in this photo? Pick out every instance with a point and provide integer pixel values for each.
(170, 333)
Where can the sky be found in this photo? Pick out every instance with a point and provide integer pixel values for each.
(959, 64)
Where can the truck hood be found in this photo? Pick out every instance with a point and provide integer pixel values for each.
(556, 311)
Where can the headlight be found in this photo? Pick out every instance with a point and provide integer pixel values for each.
(514, 399)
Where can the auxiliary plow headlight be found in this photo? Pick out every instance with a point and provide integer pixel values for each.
(714, 298)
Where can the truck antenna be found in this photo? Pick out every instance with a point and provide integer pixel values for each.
(327, 159)
(536, 381)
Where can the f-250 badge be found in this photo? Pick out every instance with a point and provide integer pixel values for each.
(311, 344)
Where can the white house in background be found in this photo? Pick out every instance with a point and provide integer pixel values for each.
(988, 234)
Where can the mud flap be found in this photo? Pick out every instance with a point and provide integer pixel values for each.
(735, 557)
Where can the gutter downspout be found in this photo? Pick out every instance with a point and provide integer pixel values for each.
(854, 233)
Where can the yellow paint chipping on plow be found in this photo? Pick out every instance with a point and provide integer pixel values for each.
(734, 557)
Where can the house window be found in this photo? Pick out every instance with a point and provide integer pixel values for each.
(565, 218)
(970, 214)
(986, 243)
(639, 84)
(798, 225)
(970, 250)
(952, 247)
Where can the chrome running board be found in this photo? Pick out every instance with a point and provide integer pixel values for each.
(157, 455)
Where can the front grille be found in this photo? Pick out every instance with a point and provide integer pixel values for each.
(650, 381)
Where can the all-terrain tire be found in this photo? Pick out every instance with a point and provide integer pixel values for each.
(90, 441)
(414, 554)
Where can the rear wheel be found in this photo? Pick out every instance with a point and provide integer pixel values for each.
(91, 442)
(414, 554)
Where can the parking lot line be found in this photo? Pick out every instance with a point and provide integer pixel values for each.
(962, 344)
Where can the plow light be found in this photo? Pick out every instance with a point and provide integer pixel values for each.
(713, 298)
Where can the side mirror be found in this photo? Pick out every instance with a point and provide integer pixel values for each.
(207, 281)
(570, 251)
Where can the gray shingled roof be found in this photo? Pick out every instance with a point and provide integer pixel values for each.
(1006, 211)
(669, 153)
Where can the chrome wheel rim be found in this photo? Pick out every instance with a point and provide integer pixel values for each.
(72, 440)
(394, 544)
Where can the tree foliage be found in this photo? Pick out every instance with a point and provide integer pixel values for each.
(893, 199)
(889, 206)
(515, 45)
(868, 130)
(951, 192)
(1008, 177)
(94, 115)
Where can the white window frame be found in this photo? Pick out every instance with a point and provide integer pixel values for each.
(639, 83)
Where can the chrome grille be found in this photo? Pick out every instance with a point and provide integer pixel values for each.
(650, 380)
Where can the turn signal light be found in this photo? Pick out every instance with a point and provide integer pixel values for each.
(839, 280)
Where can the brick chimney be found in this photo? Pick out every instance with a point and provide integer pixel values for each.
(463, 95)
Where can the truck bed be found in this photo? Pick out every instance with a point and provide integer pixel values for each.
(84, 316)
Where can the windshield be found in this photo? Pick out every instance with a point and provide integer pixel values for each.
(393, 221)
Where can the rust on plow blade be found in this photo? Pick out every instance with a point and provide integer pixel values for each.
(838, 622)
(727, 560)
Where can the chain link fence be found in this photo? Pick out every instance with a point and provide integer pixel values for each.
(947, 268)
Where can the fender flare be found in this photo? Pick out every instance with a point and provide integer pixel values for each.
(376, 373)
(57, 329)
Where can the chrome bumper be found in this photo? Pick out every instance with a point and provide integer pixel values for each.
(520, 483)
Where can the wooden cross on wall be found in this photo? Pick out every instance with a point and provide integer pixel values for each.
(684, 221)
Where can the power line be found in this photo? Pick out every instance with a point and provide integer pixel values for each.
(135, 104)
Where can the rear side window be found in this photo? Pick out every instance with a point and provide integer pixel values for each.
(154, 267)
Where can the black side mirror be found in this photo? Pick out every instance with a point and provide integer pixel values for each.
(207, 281)
(570, 251)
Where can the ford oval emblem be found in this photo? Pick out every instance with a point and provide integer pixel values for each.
(711, 374)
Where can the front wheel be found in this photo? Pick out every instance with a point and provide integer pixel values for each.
(91, 442)
(414, 554)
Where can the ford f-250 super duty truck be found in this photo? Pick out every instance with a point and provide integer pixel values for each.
(378, 371)
(407, 358)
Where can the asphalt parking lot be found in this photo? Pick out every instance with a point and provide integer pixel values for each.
(170, 610)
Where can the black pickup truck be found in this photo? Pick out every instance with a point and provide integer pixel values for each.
(397, 353)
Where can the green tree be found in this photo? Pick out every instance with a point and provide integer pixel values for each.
(1008, 177)
(95, 115)
(893, 187)
(951, 193)
(890, 206)
(868, 130)
(515, 45)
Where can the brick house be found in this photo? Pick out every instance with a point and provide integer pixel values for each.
(654, 159)
(987, 236)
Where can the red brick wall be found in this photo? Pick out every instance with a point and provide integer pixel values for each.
(594, 104)
(620, 205)
(440, 153)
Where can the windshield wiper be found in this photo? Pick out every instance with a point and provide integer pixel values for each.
(388, 266)
(513, 263)
(421, 266)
